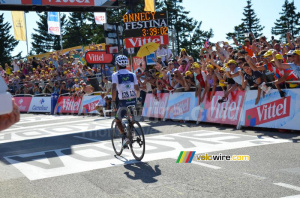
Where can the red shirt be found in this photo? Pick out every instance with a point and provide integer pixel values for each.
(199, 77)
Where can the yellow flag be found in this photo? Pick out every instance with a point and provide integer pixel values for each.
(19, 25)
(149, 5)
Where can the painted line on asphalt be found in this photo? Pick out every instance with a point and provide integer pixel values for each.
(90, 139)
(255, 176)
(288, 186)
(293, 196)
(206, 165)
(41, 119)
(44, 125)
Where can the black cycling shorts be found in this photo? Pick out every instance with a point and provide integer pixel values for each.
(122, 107)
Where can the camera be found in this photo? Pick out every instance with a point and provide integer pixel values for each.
(5, 98)
(172, 75)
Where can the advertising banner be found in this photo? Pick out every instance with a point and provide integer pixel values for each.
(54, 23)
(223, 113)
(67, 104)
(89, 104)
(98, 57)
(40, 105)
(138, 63)
(19, 25)
(182, 106)
(23, 103)
(151, 59)
(140, 41)
(100, 18)
(155, 107)
(272, 111)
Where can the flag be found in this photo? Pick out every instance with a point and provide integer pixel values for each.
(100, 18)
(149, 5)
(206, 43)
(19, 25)
(54, 23)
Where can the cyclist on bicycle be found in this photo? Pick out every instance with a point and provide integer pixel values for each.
(125, 82)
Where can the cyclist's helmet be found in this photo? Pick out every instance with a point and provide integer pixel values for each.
(122, 61)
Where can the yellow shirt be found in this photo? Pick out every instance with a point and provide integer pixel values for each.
(8, 71)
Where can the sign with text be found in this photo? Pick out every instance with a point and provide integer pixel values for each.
(40, 105)
(155, 107)
(223, 113)
(138, 63)
(272, 111)
(145, 24)
(98, 57)
(67, 104)
(89, 104)
(140, 41)
(182, 106)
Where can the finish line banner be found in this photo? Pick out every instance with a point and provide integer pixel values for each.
(272, 111)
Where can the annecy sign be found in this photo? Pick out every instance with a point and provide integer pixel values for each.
(141, 28)
(98, 57)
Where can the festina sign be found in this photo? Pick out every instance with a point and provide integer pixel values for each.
(140, 41)
(98, 57)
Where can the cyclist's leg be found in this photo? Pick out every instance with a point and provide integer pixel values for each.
(122, 110)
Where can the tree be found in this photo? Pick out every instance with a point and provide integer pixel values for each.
(7, 41)
(249, 24)
(289, 21)
(78, 31)
(42, 40)
(188, 33)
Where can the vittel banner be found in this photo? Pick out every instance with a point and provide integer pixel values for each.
(66, 104)
(40, 105)
(223, 113)
(155, 107)
(89, 104)
(182, 106)
(272, 111)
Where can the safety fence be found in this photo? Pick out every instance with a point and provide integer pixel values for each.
(239, 110)
(56, 104)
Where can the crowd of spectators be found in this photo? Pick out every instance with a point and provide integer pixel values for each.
(256, 63)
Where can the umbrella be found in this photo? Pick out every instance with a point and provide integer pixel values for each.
(147, 49)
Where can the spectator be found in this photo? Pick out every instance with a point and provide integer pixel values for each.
(162, 53)
(101, 104)
(63, 88)
(211, 84)
(253, 79)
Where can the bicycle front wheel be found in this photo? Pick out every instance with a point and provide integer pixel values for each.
(137, 144)
(116, 138)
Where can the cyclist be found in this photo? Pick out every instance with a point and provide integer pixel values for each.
(125, 82)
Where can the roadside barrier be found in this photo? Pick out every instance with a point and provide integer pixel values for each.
(239, 110)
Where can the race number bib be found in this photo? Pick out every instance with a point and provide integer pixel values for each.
(128, 94)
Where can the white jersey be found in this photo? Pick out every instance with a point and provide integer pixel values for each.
(125, 81)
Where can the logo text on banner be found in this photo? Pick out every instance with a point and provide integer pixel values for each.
(154, 108)
(226, 112)
(66, 104)
(98, 57)
(140, 41)
(23, 103)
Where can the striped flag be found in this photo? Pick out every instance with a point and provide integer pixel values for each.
(206, 43)
(185, 156)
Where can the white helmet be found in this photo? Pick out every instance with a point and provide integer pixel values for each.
(122, 60)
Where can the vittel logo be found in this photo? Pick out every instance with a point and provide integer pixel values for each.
(71, 105)
(268, 112)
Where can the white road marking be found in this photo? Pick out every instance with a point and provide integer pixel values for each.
(206, 165)
(84, 138)
(45, 125)
(26, 120)
(100, 154)
(255, 176)
(288, 186)
(293, 196)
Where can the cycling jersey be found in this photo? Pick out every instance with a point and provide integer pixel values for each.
(125, 81)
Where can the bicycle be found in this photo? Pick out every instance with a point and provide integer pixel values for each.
(134, 132)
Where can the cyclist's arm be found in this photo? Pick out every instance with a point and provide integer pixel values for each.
(114, 91)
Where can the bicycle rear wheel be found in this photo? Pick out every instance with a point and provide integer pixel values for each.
(116, 138)
(137, 145)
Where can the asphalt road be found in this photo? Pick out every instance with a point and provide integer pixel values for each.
(72, 156)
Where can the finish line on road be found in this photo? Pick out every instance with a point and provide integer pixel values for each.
(92, 156)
